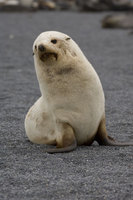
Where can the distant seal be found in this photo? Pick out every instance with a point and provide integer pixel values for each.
(124, 21)
(71, 110)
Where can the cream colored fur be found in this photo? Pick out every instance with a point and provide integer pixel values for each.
(71, 92)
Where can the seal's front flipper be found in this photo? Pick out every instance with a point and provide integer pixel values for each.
(103, 139)
(71, 147)
(66, 141)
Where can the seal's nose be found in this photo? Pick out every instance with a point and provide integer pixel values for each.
(41, 48)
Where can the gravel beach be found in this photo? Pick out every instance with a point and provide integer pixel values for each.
(88, 173)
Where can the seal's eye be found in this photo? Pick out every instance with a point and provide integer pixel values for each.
(35, 47)
(54, 41)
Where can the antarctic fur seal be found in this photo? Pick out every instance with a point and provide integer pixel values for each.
(71, 110)
(124, 21)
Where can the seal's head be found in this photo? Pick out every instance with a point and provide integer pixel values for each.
(50, 46)
(56, 56)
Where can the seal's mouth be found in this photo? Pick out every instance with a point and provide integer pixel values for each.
(48, 55)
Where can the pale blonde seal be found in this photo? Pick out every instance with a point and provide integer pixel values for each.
(71, 110)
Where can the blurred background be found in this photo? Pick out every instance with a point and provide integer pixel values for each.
(84, 5)
(104, 31)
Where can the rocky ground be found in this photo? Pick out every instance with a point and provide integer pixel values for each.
(89, 172)
(84, 5)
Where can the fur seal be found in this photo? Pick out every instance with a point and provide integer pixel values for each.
(71, 110)
(124, 21)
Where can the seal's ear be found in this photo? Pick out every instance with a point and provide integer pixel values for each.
(68, 38)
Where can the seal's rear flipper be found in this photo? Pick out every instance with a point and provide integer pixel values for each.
(103, 139)
(111, 142)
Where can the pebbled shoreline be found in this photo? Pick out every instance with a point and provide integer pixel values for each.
(89, 172)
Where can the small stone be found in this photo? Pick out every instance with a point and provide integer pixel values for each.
(11, 36)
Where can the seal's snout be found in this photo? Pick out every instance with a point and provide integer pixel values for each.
(41, 48)
(45, 52)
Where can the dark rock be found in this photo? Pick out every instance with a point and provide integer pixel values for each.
(47, 5)
(91, 5)
(103, 5)
(57, 4)
(119, 5)
(124, 21)
(66, 4)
